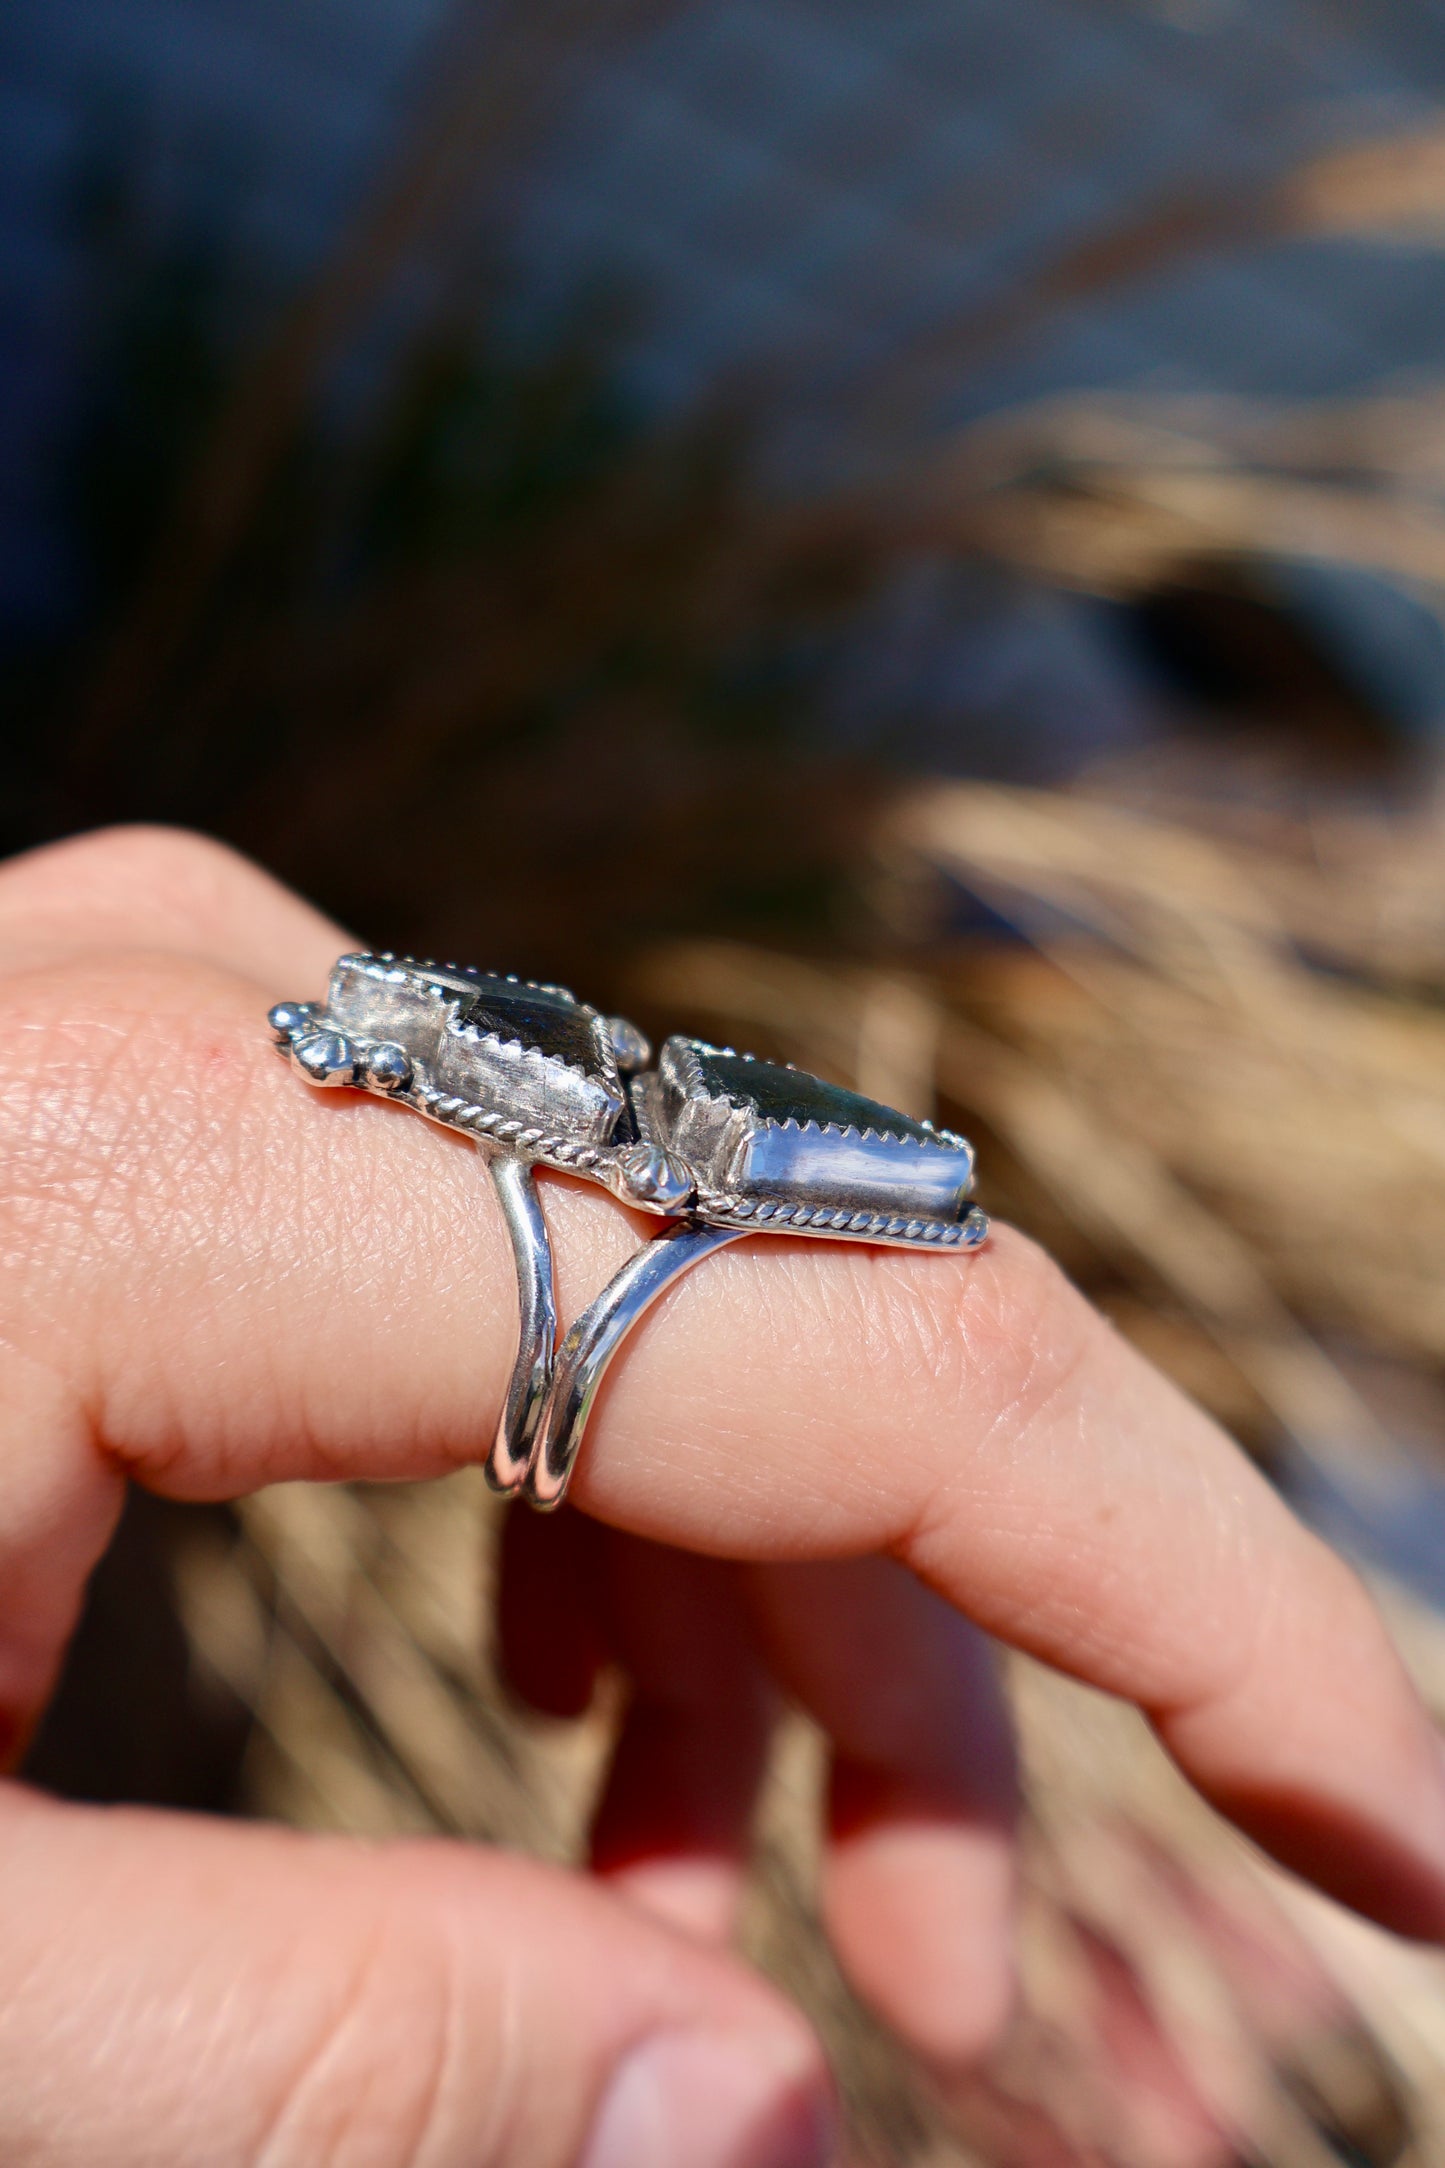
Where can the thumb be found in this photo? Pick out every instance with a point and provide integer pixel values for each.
(177, 1994)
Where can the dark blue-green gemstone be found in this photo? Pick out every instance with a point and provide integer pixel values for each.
(781, 1094)
(551, 1021)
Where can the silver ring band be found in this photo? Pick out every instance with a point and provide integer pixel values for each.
(594, 1338)
(516, 1189)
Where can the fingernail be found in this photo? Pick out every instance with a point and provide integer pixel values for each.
(715, 2100)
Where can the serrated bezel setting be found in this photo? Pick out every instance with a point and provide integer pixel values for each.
(480, 1055)
(764, 1159)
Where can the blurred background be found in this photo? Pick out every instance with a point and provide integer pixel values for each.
(911, 538)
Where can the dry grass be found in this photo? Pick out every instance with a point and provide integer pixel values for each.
(1241, 1156)
(1200, 1040)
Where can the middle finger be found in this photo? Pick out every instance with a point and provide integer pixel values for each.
(228, 1280)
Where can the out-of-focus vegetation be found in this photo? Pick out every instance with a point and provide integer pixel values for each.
(443, 626)
(463, 659)
(1201, 1046)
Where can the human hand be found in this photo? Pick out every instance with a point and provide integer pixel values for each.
(210, 1279)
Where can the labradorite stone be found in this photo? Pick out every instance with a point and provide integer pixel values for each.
(553, 1022)
(781, 1094)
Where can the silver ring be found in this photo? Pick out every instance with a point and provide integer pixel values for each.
(720, 1143)
(532, 1075)
(772, 1150)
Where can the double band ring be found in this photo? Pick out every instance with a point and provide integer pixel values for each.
(720, 1144)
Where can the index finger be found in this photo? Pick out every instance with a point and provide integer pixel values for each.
(221, 1279)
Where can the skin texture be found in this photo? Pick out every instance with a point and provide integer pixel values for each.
(212, 1278)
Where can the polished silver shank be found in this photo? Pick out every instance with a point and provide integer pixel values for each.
(516, 1190)
(594, 1338)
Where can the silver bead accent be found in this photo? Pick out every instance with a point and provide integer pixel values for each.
(325, 1058)
(289, 1017)
(659, 1180)
(631, 1047)
(385, 1066)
